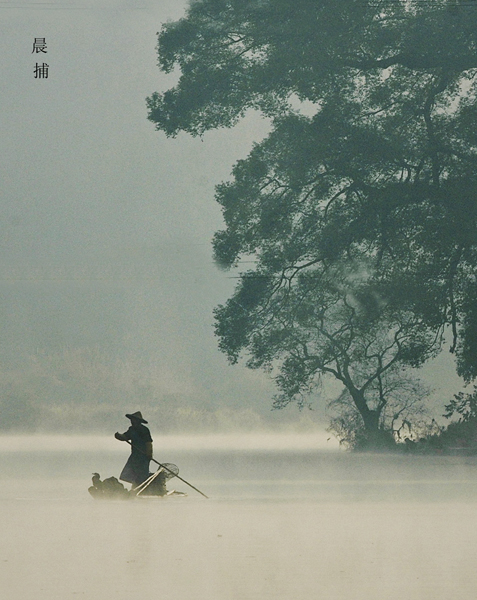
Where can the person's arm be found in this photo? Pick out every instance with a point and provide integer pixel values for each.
(149, 450)
(123, 437)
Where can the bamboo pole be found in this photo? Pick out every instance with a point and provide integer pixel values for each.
(166, 469)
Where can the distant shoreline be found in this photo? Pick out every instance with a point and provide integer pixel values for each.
(225, 441)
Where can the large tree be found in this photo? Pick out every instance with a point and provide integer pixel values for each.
(327, 322)
(380, 177)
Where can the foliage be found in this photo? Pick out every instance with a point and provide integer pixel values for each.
(461, 435)
(362, 216)
(464, 405)
(458, 436)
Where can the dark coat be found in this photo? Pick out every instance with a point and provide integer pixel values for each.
(136, 470)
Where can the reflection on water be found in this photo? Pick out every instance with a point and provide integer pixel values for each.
(285, 524)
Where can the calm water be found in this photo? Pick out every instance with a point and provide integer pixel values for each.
(279, 524)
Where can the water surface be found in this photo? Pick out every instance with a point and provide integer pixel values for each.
(279, 524)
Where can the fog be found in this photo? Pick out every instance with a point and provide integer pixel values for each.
(284, 519)
(107, 282)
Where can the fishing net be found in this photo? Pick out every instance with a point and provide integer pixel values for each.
(170, 471)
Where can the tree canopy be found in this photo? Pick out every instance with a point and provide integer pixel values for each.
(377, 177)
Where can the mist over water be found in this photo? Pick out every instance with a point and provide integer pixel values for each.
(282, 522)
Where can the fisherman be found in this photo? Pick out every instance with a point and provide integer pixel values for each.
(136, 470)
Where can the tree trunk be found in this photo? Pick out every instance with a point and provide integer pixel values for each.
(373, 438)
